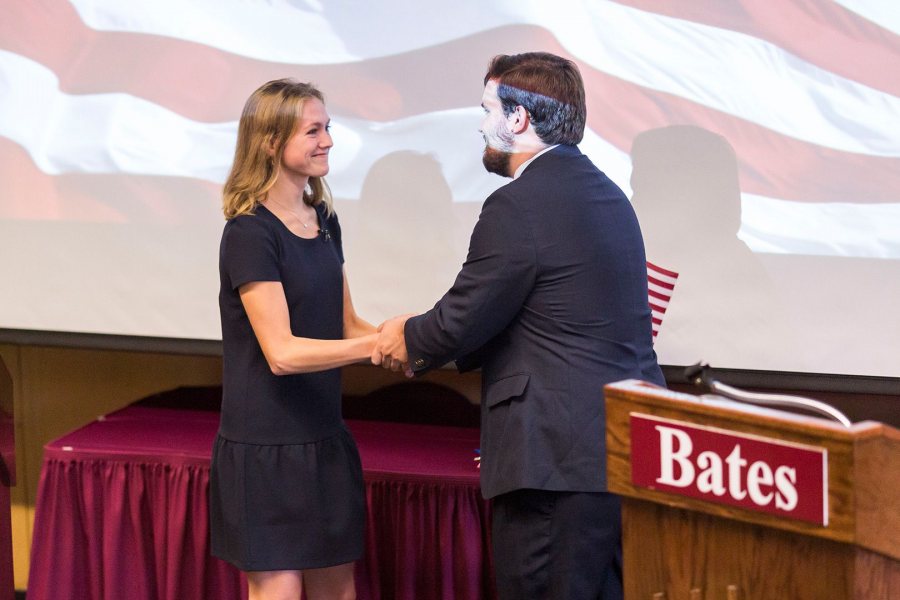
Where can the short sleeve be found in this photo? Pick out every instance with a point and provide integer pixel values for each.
(249, 252)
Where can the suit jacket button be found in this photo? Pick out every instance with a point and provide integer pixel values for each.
(420, 362)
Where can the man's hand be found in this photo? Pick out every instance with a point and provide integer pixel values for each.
(390, 349)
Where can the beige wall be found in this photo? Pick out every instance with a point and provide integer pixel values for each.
(57, 390)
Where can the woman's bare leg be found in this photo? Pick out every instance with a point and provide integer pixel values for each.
(330, 583)
(274, 585)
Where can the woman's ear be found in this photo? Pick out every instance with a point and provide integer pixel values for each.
(271, 145)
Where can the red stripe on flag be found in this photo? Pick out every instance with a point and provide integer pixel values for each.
(658, 295)
(659, 269)
(659, 282)
(76, 197)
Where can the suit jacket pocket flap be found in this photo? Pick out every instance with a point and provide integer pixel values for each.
(508, 387)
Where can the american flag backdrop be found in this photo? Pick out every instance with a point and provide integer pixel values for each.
(118, 121)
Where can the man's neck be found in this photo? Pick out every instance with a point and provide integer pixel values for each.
(521, 165)
(518, 159)
(526, 146)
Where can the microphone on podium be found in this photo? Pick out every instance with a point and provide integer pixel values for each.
(699, 375)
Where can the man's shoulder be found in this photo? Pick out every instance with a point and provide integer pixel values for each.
(558, 161)
(561, 153)
(561, 166)
(568, 167)
(506, 193)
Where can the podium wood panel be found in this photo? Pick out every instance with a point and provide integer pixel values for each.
(701, 552)
(680, 547)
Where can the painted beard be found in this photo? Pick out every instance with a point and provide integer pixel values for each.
(496, 157)
(496, 161)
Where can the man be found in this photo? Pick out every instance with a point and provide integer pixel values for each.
(551, 303)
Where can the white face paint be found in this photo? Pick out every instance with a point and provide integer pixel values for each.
(493, 126)
(498, 139)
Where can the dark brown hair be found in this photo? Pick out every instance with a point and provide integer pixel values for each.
(549, 87)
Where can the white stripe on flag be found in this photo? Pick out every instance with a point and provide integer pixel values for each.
(829, 229)
(105, 133)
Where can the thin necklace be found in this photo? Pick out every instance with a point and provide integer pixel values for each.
(291, 211)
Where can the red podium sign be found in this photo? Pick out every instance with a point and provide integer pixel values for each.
(726, 467)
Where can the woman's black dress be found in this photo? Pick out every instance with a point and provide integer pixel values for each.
(286, 489)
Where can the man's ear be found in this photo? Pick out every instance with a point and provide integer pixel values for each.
(518, 120)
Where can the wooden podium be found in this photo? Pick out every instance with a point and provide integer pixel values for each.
(687, 531)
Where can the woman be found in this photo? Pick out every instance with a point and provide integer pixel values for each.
(286, 494)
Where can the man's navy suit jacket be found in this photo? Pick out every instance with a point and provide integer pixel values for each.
(552, 304)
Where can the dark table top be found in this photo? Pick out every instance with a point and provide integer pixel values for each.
(185, 436)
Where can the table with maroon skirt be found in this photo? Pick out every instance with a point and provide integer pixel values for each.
(122, 512)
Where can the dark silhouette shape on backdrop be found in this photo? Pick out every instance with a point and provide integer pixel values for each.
(404, 235)
(687, 197)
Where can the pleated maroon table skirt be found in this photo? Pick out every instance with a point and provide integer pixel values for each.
(122, 512)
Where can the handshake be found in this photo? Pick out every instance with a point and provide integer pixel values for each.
(390, 346)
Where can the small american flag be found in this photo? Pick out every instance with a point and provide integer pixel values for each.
(660, 284)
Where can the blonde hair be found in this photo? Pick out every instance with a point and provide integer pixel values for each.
(268, 120)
